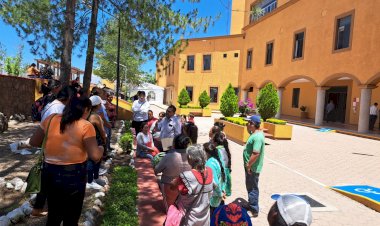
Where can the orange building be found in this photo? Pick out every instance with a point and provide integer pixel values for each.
(206, 64)
(314, 52)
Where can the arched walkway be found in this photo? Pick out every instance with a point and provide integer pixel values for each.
(339, 76)
(294, 78)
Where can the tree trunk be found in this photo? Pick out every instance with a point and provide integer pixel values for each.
(68, 41)
(91, 46)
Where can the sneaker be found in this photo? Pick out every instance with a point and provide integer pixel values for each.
(101, 182)
(102, 171)
(93, 185)
(254, 213)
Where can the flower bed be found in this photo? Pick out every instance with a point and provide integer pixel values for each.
(121, 202)
(235, 132)
(279, 130)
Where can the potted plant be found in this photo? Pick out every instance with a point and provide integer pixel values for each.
(304, 114)
(245, 107)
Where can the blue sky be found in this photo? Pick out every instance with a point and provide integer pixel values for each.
(11, 41)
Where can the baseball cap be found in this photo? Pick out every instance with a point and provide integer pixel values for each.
(293, 209)
(254, 118)
(96, 100)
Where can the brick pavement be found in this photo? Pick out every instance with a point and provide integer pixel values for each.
(306, 163)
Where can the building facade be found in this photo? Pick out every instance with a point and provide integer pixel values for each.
(314, 52)
(206, 64)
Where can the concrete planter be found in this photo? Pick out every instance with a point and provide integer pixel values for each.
(304, 115)
(235, 132)
(206, 112)
(279, 131)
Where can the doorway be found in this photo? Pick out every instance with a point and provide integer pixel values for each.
(338, 94)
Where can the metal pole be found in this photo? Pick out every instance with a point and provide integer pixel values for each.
(118, 72)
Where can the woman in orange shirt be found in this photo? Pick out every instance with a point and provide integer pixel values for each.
(70, 141)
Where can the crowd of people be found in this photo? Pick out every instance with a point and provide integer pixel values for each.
(195, 179)
(75, 135)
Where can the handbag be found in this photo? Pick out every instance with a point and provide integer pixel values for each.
(34, 177)
(176, 215)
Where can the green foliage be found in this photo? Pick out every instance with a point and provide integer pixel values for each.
(204, 99)
(267, 101)
(191, 107)
(183, 98)
(229, 102)
(126, 141)
(276, 121)
(236, 120)
(12, 65)
(121, 201)
(127, 125)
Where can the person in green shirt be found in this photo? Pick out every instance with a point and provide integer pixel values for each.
(253, 157)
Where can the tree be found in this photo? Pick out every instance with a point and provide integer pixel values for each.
(183, 98)
(204, 99)
(229, 102)
(268, 101)
(12, 65)
(2, 57)
(91, 46)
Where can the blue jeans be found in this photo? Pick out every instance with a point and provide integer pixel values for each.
(252, 185)
(92, 170)
(143, 154)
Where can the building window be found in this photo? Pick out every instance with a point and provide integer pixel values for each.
(225, 55)
(236, 55)
(189, 90)
(190, 63)
(214, 94)
(237, 90)
(295, 97)
(207, 62)
(299, 40)
(169, 69)
(249, 59)
(269, 55)
(343, 32)
(173, 68)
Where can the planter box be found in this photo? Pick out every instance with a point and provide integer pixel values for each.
(304, 115)
(196, 111)
(235, 132)
(279, 131)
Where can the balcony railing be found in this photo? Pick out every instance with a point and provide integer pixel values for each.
(262, 11)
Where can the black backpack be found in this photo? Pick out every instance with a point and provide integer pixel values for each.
(191, 131)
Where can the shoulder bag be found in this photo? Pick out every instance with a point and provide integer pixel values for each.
(34, 178)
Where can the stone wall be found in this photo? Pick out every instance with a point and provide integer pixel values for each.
(17, 95)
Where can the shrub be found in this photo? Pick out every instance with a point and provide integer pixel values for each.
(235, 120)
(276, 121)
(126, 141)
(267, 101)
(229, 102)
(191, 107)
(204, 99)
(121, 201)
(183, 98)
(127, 125)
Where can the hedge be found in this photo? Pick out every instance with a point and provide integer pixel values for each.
(121, 201)
(276, 121)
(191, 107)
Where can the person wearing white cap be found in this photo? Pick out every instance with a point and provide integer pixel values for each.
(93, 180)
(290, 210)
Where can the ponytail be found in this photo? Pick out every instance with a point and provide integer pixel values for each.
(220, 139)
(213, 152)
(74, 111)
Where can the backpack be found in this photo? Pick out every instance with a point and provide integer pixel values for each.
(39, 105)
(191, 131)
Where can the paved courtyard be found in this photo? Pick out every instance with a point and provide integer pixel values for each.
(309, 163)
